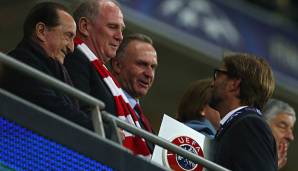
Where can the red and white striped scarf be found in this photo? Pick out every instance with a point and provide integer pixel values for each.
(124, 111)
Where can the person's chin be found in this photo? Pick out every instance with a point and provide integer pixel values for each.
(110, 56)
(111, 52)
(142, 93)
(106, 58)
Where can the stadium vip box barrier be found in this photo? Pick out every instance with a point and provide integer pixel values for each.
(35, 139)
(58, 135)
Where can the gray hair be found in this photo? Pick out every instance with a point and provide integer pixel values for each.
(132, 37)
(274, 107)
(90, 9)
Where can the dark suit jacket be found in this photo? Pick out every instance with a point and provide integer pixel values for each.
(28, 88)
(246, 144)
(86, 78)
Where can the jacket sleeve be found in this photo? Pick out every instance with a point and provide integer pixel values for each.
(61, 105)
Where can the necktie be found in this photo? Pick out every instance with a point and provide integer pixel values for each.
(142, 118)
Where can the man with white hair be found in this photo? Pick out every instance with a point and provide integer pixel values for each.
(281, 117)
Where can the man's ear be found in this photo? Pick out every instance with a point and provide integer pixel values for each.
(234, 85)
(116, 65)
(41, 31)
(83, 26)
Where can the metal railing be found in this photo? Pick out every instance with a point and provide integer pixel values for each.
(97, 116)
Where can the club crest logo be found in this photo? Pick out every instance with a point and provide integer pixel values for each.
(179, 163)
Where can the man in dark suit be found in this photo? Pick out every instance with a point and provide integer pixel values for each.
(134, 67)
(241, 86)
(99, 34)
(99, 25)
(48, 36)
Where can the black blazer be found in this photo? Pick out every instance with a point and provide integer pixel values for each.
(86, 78)
(246, 143)
(28, 88)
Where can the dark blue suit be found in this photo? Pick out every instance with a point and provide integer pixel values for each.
(246, 143)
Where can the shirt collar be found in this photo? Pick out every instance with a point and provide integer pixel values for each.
(224, 119)
(132, 101)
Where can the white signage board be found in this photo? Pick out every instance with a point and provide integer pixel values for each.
(183, 136)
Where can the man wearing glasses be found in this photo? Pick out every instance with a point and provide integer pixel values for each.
(241, 86)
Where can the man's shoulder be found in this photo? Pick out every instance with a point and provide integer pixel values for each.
(76, 56)
(84, 75)
(250, 117)
(22, 53)
(26, 56)
(247, 122)
(248, 125)
(78, 65)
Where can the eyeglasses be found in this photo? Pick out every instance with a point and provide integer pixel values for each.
(217, 71)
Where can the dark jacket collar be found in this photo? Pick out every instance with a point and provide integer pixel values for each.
(32, 45)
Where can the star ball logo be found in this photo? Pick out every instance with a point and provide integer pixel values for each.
(179, 163)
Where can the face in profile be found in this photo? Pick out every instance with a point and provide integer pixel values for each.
(59, 39)
(137, 68)
(106, 31)
(282, 128)
(218, 87)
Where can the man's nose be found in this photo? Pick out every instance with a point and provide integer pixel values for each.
(119, 35)
(149, 72)
(290, 135)
(70, 46)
